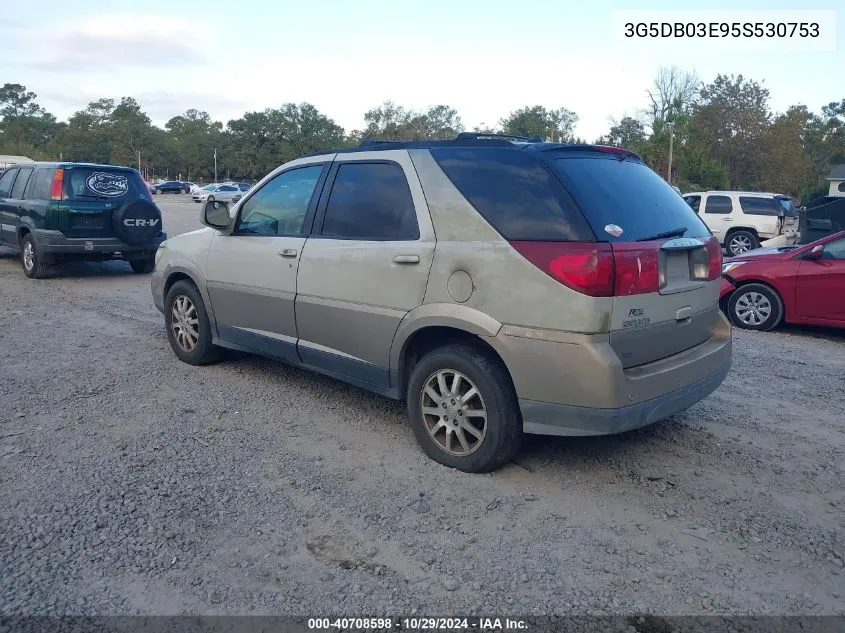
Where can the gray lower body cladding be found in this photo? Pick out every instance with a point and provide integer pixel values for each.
(543, 418)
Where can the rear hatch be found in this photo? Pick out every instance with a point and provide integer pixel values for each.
(664, 262)
(89, 194)
(789, 217)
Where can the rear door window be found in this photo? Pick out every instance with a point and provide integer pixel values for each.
(6, 182)
(752, 205)
(42, 184)
(95, 183)
(370, 201)
(718, 204)
(21, 182)
(516, 193)
(626, 194)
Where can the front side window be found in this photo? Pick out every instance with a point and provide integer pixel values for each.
(694, 202)
(227, 188)
(718, 204)
(280, 206)
(370, 201)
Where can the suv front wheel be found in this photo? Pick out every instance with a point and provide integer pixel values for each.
(463, 409)
(188, 328)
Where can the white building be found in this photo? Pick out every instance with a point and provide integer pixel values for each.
(8, 161)
(836, 179)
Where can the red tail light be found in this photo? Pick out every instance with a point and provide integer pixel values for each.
(714, 250)
(637, 270)
(585, 267)
(58, 181)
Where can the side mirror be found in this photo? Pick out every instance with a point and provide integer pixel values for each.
(817, 252)
(216, 214)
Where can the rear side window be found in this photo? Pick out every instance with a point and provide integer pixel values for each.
(718, 204)
(6, 182)
(370, 201)
(95, 183)
(42, 184)
(515, 192)
(20, 183)
(625, 194)
(758, 206)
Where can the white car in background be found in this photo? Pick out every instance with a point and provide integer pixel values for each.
(742, 220)
(221, 192)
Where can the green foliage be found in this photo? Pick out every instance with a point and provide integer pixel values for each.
(555, 125)
(723, 135)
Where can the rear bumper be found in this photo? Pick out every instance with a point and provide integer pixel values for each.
(543, 418)
(575, 384)
(56, 243)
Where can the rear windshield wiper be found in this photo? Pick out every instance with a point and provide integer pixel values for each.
(673, 233)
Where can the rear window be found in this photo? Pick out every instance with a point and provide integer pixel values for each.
(96, 183)
(752, 205)
(516, 193)
(625, 194)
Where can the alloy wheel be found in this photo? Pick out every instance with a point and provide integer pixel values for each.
(753, 308)
(453, 412)
(184, 323)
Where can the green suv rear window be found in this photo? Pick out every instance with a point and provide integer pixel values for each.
(102, 183)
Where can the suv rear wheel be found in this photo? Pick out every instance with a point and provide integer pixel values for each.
(34, 266)
(463, 409)
(188, 328)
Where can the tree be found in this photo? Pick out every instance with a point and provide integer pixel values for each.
(788, 166)
(556, 125)
(261, 141)
(193, 137)
(25, 127)
(674, 93)
(389, 122)
(733, 114)
(628, 133)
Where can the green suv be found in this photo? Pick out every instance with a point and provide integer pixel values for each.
(54, 212)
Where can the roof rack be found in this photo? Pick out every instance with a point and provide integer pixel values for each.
(367, 141)
(478, 135)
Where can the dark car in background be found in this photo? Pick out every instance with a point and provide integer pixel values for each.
(55, 212)
(171, 186)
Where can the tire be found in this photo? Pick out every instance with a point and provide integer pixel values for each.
(143, 266)
(741, 241)
(137, 222)
(33, 263)
(755, 307)
(203, 352)
(500, 436)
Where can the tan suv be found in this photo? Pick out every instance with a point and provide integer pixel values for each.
(500, 286)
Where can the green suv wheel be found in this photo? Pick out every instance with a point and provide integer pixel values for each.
(32, 262)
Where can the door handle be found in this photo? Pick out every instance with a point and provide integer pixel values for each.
(407, 259)
(288, 252)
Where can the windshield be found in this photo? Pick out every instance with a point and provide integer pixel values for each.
(625, 201)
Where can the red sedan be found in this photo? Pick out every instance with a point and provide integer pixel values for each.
(802, 285)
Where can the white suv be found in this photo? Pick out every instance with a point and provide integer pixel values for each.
(741, 220)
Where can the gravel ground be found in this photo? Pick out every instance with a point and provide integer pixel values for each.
(135, 484)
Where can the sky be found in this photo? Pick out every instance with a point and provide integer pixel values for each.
(483, 58)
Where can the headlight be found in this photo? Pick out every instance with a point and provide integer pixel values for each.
(727, 266)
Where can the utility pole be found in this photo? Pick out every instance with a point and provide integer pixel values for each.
(215, 164)
(671, 139)
(139, 160)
